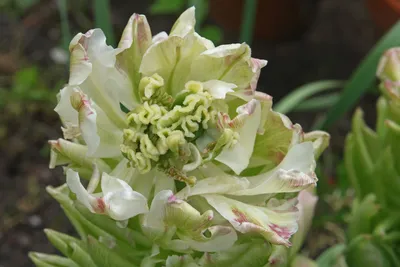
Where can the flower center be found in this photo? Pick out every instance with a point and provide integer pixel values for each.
(162, 130)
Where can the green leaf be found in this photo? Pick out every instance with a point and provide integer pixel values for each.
(361, 221)
(300, 94)
(65, 30)
(364, 251)
(318, 102)
(48, 260)
(363, 77)
(331, 256)
(25, 4)
(248, 20)
(166, 7)
(81, 256)
(103, 19)
(388, 179)
(60, 241)
(104, 256)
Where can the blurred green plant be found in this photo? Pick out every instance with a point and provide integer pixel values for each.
(27, 86)
(167, 7)
(302, 97)
(17, 7)
(363, 77)
(65, 30)
(249, 18)
(102, 13)
(372, 163)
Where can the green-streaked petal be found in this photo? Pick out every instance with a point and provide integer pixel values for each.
(64, 108)
(135, 40)
(279, 135)
(294, 173)
(87, 120)
(105, 84)
(228, 63)
(320, 141)
(80, 65)
(102, 137)
(256, 66)
(185, 23)
(169, 212)
(110, 136)
(154, 219)
(276, 223)
(306, 206)
(171, 59)
(121, 201)
(237, 157)
(66, 152)
(225, 184)
(161, 181)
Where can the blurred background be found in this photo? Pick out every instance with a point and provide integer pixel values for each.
(303, 41)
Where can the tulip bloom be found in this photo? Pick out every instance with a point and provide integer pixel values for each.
(173, 121)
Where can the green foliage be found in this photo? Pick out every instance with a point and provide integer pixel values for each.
(25, 4)
(17, 7)
(160, 7)
(65, 31)
(298, 98)
(363, 77)
(27, 87)
(212, 33)
(372, 165)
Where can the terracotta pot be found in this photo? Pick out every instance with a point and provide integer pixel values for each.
(276, 20)
(384, 12)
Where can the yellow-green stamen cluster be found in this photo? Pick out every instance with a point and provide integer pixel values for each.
(161, 128)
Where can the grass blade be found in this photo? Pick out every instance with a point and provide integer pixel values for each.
(103, 21)
(303, 92)
(363, 77)
(248, 20)
(318, 102)
(65, 31)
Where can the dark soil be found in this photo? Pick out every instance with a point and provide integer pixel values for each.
(340, 36)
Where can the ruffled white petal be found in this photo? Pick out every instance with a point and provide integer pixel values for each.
(276, 224)
(185, 23)
(293, 174)
(222, 238)
(121, 201)
(74, 184)
(238, 157)
(218, 89)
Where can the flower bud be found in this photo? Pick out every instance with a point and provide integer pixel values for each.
(389, 65)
